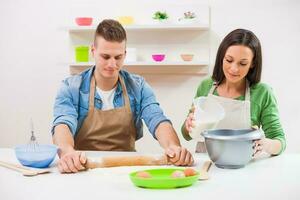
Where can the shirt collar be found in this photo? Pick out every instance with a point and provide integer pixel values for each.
(87, 80)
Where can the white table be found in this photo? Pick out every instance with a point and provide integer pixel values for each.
(264, 178)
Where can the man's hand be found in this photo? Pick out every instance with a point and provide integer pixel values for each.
(169, 140)
(71, 161)
(179, 156)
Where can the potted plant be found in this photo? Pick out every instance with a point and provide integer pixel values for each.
(160, 16)
(188, 17)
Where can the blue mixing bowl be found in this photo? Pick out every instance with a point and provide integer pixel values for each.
(41, 156)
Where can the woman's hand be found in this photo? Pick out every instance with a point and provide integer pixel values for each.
(267, 145)
(189, 122)
(258, 146)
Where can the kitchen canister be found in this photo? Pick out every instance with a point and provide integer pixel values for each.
(131, 55)
(82, 54)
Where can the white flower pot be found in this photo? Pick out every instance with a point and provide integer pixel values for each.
(187, 21)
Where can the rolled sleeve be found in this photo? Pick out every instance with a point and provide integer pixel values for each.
(65, 112)
(151, 112)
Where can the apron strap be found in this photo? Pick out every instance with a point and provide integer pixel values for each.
(247, 92)
(212, 89)
(125, 94)
(92, 93)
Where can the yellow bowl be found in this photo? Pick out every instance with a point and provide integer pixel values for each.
(126, 20)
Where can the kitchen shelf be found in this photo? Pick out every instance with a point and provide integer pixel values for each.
(150, 27)
(156, 64)
(171, 38)
(175, 68)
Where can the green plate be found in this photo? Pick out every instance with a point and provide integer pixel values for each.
(161, 178)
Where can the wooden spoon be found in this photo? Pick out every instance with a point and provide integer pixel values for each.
(204, 170)
(24, 170)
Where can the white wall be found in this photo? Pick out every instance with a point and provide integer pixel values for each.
(33, 52)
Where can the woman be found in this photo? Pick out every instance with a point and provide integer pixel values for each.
(235, 84)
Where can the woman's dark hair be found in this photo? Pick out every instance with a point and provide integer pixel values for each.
(245, 38)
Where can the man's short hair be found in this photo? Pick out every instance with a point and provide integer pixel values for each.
(111, 30)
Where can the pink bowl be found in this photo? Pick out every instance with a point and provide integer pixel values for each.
(158, 57)
(84, 21)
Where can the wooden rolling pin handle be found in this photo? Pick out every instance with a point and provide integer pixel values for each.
(126, 161)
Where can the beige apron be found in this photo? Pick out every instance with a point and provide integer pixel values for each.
(107, 130)
(237, 113)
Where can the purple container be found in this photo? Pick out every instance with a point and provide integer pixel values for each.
(158, 57)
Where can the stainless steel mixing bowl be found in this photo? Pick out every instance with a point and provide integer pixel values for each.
(229, 148)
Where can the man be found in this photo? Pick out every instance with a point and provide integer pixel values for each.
(103, 107)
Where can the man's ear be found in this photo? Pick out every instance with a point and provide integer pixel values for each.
(93, 49)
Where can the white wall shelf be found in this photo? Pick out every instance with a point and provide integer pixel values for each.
(150, 64)
(150, 27)
(180, 67)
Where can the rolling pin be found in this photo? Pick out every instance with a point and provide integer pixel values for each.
(117, 161)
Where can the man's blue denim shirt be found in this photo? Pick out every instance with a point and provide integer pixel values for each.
(72, 102)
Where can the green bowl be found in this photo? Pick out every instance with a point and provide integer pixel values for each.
(161, 179)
